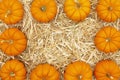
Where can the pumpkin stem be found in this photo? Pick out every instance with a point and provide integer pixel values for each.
(12, 74)
(80, 77)
(7, 13)
(109, 76)
(7, 41)
(43, 8)
(108, 40)
(77, 3)
(110, 8)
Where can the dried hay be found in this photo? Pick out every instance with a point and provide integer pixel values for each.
(60, 41)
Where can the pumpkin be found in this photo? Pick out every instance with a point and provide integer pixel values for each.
(11, 11)
(78, 70)
(108, 10)
(77, 10)
(13, 70)
(44, 72)
(43, 10)
(107, 70)
(107, 39)
(13, 41)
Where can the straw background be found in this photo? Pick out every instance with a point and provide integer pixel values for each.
(60, 41)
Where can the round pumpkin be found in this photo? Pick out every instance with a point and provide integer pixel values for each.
(107, 70)
(78, 70)
(107, 39)
(11, 11)
(44, 10)
(13, 70)
(108, 10)
(44, 72)
(13, 41)
(77, 10)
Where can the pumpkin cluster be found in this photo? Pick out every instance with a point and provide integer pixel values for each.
(12, 11)
(78, 70)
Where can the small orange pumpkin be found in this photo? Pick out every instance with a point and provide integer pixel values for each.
(13, 70)
(108, 10)
(78, 70)
(11, 11)
(77, 10)
(44, 72)
(107, 39)
(107, 70)
(44, 10)
(13, 41)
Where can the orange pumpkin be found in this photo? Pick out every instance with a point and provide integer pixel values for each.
(13, 70)
(107, 70)
(107, 39)
(78, 70)
(11, 11)
(44, 72)
(77, 10)
(108, 10)
(44, 10)
(13, 41)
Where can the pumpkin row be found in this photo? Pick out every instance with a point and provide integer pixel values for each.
(13, 41)
(78, 70)
(12, 11)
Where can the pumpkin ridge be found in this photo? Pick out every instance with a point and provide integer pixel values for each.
(105, 47)
(110, 46)
(99, 72)
(19, 39)
(6, 48)
(107, 17)
(117, 40)
(104, 17)
(99, 43)
(19, 69)
(72, 13)
(107, 2)
(115, 13)
(102, 4)
(114, 34)
(17, 49)
(48, 71)
(110, 32)
(47, 16)
(83, 11)
(115, 37)
(14, 31)
(20, 43)
(104, 31)
(100, 37)
(114, 45)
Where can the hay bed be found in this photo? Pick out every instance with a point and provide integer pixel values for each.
(60, 41)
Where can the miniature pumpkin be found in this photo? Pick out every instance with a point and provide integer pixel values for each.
(13, 70)
(77, 10)
(44, 72)
(107, 39)
(44, 10)
(13, 41)
(107, 70)
(78, 70)
(108, 10)
(11, 11)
